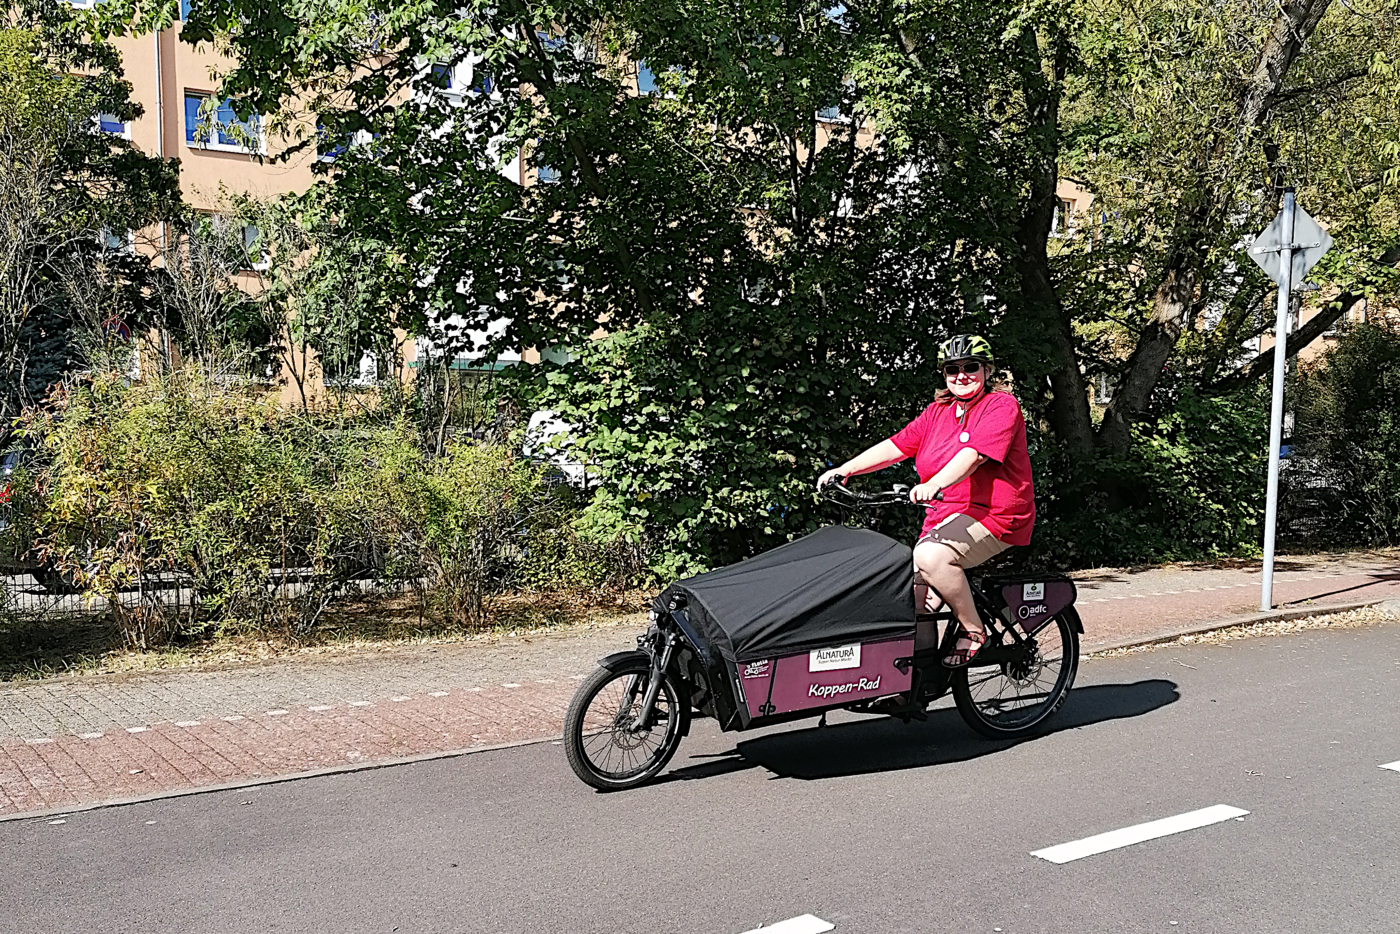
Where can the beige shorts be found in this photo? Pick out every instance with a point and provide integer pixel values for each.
(966, 536)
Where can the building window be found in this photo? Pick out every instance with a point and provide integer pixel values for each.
(834, 113)
(114, 241)
(217, 127)
(254, 247)
(1103, 389)
(481, 80)
(552, 43)
(1064, 217)
(646, 79)
(184, 9)
(546, 174)
(442, 77)
(109, 123)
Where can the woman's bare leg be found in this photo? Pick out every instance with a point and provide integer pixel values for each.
(938, 567)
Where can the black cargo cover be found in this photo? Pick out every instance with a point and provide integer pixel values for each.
(835, 586)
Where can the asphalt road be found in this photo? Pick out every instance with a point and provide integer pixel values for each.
(874, 826)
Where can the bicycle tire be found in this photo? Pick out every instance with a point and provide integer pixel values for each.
(580, 728)
(982, 700)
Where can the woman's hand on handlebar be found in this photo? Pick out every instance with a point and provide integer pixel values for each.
(925, 493)
(834, 475)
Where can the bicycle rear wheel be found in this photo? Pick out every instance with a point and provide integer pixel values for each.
(1014, 699)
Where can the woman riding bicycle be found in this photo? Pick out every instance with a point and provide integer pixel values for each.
(969, 444)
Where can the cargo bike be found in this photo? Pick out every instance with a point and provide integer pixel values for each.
(826, 622)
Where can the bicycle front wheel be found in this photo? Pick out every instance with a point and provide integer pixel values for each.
(1014, 699)
(602, 739)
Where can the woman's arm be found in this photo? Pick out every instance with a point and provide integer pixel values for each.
(870, 460)
(963, 465)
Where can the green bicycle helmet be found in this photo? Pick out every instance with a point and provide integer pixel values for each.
(966, 347)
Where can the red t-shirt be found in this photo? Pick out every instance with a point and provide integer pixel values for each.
(999, 494)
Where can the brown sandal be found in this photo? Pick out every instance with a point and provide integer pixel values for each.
(960, 657)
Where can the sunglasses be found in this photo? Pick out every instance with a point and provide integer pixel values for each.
(953, 369)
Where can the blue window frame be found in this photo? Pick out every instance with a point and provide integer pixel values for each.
(442, 77)
(481, 80)
(225, 120)
(646, 79)
(228, 120)
(192, 105)
(111, 124)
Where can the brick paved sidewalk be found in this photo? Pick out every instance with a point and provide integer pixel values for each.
(70, 742)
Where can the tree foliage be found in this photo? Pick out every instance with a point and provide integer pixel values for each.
(775, 239)
(1347, 436)
(68, 191)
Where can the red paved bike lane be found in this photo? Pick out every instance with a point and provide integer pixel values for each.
(75, 742)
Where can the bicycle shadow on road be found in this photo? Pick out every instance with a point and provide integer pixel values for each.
(886, 745)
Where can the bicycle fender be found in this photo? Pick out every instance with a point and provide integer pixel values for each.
(1073, 616)
(617, 660)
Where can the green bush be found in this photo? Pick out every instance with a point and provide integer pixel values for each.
(1193, 487)
(268, 516)
(1346, 463)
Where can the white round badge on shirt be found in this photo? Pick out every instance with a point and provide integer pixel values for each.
(963, 437)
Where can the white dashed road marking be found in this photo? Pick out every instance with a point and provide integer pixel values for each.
(136, 729)
(510, 685)
(1393, 766)
(359, 703)
(89, 736)
(437, 693)
(233, 718)
(398, 699)
(275, 713)
(188, 723)
(1127, 836)
(802, 924)
(320, 707)
(39, 742)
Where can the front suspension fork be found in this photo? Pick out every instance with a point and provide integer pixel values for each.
(660, 664)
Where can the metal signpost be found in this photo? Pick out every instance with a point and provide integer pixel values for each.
(1286, 250)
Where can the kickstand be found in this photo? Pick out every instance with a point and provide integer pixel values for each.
(822, 721)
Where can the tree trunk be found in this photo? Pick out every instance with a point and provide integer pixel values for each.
(1069, 403)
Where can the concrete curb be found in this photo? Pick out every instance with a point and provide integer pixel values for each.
(269, 780)
(1194, 629)
(1165, 636)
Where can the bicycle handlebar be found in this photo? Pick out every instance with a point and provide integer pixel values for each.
(837, 492)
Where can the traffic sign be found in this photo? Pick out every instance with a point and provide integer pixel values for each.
(1309, 243)
(1286, 250)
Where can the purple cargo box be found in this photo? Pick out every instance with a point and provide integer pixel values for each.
(826, 677)
(1031, 604)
